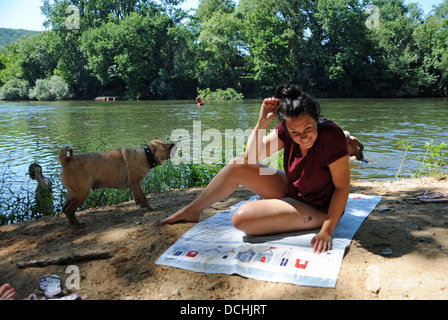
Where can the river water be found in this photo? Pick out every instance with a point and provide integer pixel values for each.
(34, 131)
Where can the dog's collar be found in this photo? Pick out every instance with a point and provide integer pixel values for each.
(151, 158)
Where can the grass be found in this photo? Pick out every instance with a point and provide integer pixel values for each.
(433, 163)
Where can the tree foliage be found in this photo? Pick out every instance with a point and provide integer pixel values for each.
(147, 49)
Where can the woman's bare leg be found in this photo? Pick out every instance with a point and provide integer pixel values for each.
(226, 181)
(276, 215)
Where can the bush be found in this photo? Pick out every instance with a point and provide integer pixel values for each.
(433, 163)
(54, 88)
(220, 94)
(14, 89)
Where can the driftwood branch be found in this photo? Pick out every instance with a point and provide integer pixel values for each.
(64, 260)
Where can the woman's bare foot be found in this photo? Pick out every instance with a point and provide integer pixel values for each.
(7, 293)
(186, 215)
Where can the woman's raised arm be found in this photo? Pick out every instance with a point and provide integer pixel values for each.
(260, 146)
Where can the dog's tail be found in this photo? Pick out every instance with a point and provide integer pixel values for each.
(65, 153)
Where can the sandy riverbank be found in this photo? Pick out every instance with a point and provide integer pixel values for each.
(413, 232)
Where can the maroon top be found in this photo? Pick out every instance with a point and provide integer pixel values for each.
(309, 177)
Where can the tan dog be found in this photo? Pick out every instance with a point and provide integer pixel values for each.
(120, 169)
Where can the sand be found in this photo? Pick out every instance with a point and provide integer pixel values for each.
(399, 252)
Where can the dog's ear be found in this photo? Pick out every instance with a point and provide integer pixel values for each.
(152, 144)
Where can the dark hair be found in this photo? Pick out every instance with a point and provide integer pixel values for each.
(31, 169)
(293, 103)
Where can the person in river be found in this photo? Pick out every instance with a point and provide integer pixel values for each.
(44, 193)
(355, 147)
(312, 191)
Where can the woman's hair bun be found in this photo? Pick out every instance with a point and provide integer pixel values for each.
(293, 103)
(290, 91)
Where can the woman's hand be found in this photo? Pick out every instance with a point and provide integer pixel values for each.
(269, 110)
(321, 242)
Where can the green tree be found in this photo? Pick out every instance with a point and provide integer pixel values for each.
(92, 13)
(122, 46)
(345, 51)
(152, 49)
(177, 74)
(431, 38)
(127, 51)
(322, 45)
(31, 58)
(219, 49)
(402, 73)
(6, 68)
(268, 39)
(66, 42)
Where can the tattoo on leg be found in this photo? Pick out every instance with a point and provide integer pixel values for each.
(307, 219)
